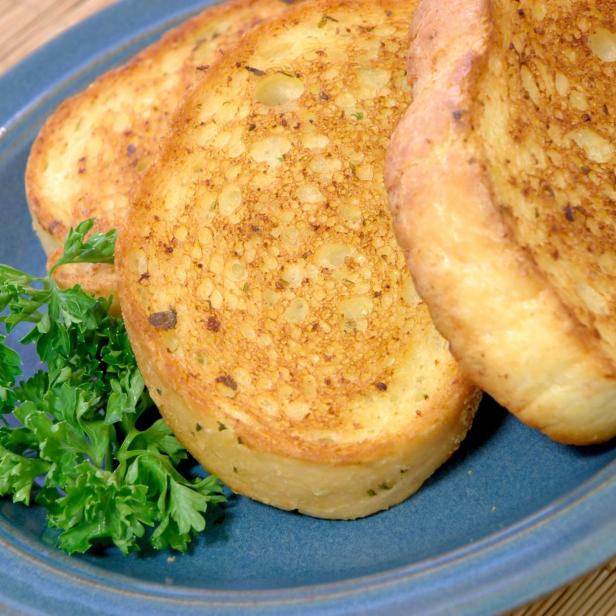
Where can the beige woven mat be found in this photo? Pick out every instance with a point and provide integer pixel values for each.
(27, 24)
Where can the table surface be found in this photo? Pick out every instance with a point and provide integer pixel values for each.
(27, 24)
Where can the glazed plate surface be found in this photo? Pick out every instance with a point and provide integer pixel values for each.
(511, 516)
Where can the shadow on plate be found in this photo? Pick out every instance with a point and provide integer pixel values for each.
(490, 418)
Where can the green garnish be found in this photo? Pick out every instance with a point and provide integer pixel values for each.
(83, 439)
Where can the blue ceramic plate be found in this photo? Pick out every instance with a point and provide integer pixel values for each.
(512, 516)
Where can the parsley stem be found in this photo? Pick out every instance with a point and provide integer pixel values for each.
(163, 459)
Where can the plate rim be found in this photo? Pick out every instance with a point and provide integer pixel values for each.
(497, 552)
(590, 497)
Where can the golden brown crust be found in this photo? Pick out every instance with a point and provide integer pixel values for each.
(516, 330)
(185, 399)
(93, 150)
(262, 287)
(337, 488)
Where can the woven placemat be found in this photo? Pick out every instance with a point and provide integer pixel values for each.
(27, 24)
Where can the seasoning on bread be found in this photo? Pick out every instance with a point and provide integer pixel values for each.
(298, 365)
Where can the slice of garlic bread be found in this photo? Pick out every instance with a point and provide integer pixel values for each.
(94, 149)
(501, 180)
(265, 296)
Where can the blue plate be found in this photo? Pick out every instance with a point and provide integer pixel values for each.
(511, 516)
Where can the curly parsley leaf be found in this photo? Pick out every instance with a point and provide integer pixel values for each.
(18, 473)
(85, 441)
(10, 369)
(98, 248)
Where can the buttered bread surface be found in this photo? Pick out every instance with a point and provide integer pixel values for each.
(265, 295)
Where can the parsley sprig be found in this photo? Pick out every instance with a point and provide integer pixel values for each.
(82, 438)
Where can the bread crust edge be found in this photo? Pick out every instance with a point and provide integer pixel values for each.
(322, 480)
(507, 327)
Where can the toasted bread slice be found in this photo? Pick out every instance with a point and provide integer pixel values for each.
(501, 182)
(265, 296)
(94, 149)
